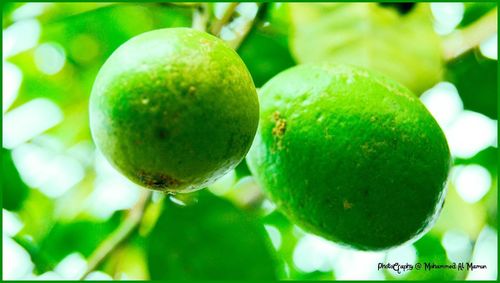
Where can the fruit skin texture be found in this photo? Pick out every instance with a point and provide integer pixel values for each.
(174, 109)
(350, 155)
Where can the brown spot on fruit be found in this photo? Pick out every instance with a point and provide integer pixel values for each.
(347, 204)
(158, 181)
(279, 125)
(279, 129)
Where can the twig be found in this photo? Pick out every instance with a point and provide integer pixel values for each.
(201, 15)
(42, 261)
(242, 35)
(463, 40)
(228, 13)
(119, 235)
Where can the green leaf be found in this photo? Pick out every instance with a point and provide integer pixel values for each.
(82, 236)
(242, 170)
(42, 262)
(7, 9)
(264, 55)
(289, 241)
(14, 190)
(472, 216)
(403, 47)
(109, 27)
(490, 201)
(475, 10)
(265, 51)
(128, 260)
(37, 214)
(278, 16)
(487, 158)
(210, 239)
(429, 251)
(476, 79)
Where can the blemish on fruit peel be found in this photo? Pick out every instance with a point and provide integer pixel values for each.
(347, 204)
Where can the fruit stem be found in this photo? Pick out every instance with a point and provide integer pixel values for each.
(228, 14)
(123, 231)
(461, 41)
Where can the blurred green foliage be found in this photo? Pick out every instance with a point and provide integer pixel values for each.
(82, 236)
(474, 10)
(369, 35)
(429, 250)
(209, 239)
(265, 51)
(223, 236)
(476, 80)
(15, 191)
(290, 237)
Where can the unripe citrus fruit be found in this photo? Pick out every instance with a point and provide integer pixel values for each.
(174, 109)
(350, 155)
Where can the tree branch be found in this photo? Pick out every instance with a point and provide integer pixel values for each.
(262, 9)
(201, 15)
(228, 13)
(463, 40)
(119, 235)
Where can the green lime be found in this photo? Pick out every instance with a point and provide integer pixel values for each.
(350, 155)
(174, 109)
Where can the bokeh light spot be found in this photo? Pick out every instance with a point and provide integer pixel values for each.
(457, 245)
(11, 82)
(447, 16)
(20, 36)
(485, 253)
(470, 133)
(489, 48)
(472, 182)
(11, 223)
(30, 10)
(112, 191)
(274, 235)
(444, 102)
(314, 253)
(29, 120)
(98, 276)
(50, 58)
(51, 172)
(16, 262)
(84, 48)
(224, 184)
(406, 254)
(71, 267)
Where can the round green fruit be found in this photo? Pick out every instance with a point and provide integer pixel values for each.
(350, 155)
(174, 109)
